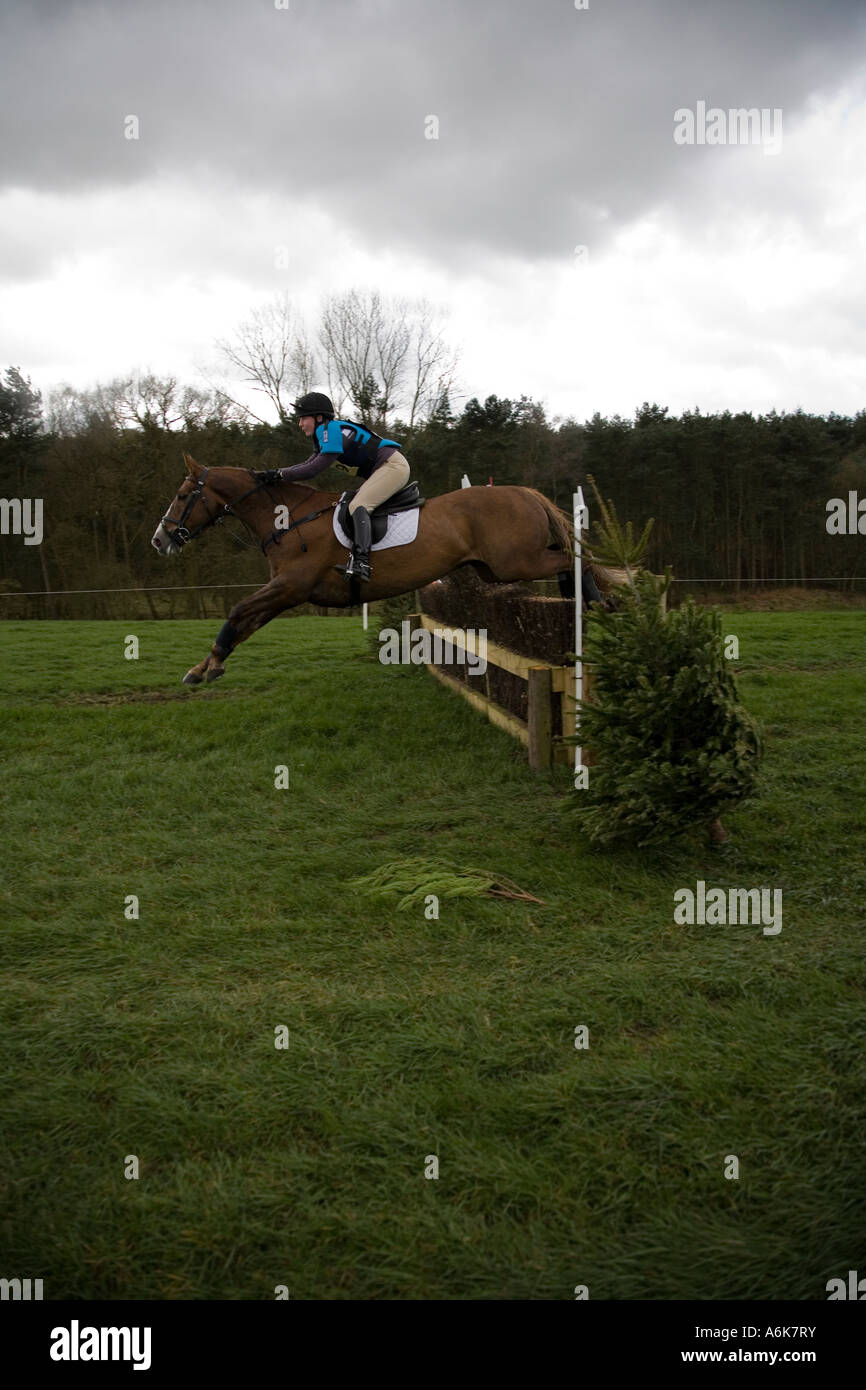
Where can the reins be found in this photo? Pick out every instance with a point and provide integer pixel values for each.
(277, 535)
(181, 534)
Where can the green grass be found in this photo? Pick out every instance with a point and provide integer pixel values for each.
(409, 1036)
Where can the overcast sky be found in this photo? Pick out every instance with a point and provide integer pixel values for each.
(584, 256)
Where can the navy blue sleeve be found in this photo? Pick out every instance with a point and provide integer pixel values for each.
(316, 463)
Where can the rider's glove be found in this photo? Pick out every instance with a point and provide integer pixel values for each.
(270, 476)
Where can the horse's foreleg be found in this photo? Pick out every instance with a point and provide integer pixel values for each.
(244, 619)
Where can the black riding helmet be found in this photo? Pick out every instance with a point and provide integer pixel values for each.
(314, 403)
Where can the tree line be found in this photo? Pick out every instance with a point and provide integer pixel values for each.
(737, 498)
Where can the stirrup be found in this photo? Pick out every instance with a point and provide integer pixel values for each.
(358, 567)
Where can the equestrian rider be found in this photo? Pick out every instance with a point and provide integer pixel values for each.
(354, 449)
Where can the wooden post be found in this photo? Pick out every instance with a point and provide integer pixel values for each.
(538, 718)
(588, 689)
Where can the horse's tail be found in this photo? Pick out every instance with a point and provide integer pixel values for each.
(561, 524)
(609, 576)
(562, 534)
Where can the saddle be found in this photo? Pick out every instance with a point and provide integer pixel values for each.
(402, 501)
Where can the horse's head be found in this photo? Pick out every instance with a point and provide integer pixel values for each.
(189, 513)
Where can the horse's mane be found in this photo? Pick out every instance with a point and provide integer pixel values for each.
(247, 472)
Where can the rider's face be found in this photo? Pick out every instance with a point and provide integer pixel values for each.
(308, 425)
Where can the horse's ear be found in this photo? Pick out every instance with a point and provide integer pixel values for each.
(193, 468)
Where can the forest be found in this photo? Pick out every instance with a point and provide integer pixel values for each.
(738, 499)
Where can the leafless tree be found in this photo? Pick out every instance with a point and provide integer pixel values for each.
(363, 347)
(385, 355)
(271, 352)
(433, 363)
(382, 355)
(142, 400)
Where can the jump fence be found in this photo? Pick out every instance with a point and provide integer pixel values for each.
(535, 676)
(531, 699)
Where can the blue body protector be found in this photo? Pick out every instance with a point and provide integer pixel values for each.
(353, 446)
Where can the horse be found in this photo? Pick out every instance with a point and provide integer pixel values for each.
(506, 533)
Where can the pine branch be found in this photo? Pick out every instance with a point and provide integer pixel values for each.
(416, 878)
(616, 544)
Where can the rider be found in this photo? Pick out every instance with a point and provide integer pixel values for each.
(354, 449)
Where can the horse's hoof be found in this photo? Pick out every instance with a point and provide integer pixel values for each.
(191, 679)
(215, 675)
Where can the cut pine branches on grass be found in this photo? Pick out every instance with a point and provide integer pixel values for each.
(415, 879)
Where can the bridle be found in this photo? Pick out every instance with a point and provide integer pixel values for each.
(181, 533)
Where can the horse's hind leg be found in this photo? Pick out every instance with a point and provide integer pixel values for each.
(540, 564)
(565, 579)
(589, 587)
(550, 564)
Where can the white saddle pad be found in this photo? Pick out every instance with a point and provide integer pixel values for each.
(402, 528)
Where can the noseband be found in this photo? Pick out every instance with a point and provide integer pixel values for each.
(181, 533)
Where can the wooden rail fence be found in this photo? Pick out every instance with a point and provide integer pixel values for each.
(551, 692)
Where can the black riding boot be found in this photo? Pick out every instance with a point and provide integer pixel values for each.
(359, 561)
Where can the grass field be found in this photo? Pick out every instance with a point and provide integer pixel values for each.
(411, 1037)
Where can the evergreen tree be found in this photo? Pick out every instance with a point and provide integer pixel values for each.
(672, 747)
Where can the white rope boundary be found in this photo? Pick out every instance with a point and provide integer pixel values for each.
(189, 588)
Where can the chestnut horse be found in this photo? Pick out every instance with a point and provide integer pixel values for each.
(506, 533)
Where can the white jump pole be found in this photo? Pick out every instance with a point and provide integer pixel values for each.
(365, 617)
(580, 519)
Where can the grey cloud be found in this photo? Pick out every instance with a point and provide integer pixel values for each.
(555, 124)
